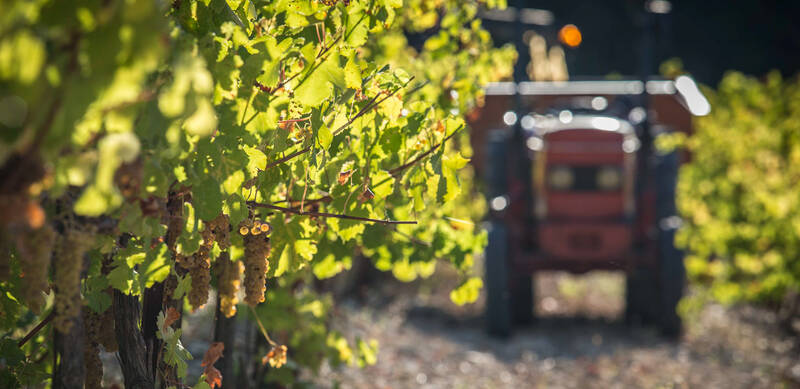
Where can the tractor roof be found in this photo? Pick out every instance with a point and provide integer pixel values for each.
(549, 123)
(683, 87)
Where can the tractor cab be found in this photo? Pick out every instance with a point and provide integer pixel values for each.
(583, 172)
(574, 183)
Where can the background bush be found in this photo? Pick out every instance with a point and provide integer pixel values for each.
(740, 193)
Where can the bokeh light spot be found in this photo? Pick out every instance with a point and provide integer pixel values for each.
(570, 35)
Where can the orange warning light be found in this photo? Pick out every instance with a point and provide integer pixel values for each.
(570, 35)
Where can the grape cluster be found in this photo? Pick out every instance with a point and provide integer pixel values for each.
(332, 3)
(35, 250)
(229, 278)
(256, 251)
(129, 179)
(221, 228)
(199, 264)
(68, 260)
(275, 357)
(91, 349)
(199, 267)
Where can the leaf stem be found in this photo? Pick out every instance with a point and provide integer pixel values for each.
(261, 326)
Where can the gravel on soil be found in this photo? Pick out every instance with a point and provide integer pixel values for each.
(577, 341)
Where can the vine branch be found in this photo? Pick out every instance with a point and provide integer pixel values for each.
(287, 121)
(288, 157)
(414, 161)
(36, 329)
(411, 238)
(372, 104)
(296, 203)
(283, 83)
(331, 215)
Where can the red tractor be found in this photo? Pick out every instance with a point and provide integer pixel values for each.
(575, 184)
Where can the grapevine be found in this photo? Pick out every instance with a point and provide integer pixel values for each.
(272, 140)
(5, 257)
(174, 219)
(93, 329)
(35, 249)
(68, 262)
(170, 284)
(105, 332)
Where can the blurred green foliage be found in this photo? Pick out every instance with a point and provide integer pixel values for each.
(740, 193)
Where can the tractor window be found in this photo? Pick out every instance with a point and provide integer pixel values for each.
(584, 178)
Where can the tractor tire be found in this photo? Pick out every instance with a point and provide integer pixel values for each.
(653, 292)
(497, 166)
(496, 275)
(641, 293)
(671, 277)
(522, 297)
(497, 261)
(671, 270)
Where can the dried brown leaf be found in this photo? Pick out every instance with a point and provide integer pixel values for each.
(172, 316)
(213, 353)
(344, 176)
(213, 376)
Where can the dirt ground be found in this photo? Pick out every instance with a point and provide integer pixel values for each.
(578, 341)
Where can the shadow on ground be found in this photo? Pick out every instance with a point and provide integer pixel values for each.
(548, 337)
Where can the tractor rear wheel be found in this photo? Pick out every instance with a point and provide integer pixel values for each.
(497, 269)
(671, 271)
(653, 292)
(641, 293)
(522, 297)
(671, 277)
